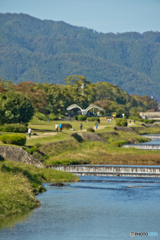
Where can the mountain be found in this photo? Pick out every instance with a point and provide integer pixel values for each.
(48, 51)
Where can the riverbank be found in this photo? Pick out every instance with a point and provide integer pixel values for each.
(78, 150)
(19, 183)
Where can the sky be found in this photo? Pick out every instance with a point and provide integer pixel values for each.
(104, 16)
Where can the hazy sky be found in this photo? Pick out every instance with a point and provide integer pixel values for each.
(100, 15)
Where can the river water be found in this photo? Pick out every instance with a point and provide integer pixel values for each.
(97, 208)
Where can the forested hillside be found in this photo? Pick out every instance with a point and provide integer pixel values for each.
(48, 51)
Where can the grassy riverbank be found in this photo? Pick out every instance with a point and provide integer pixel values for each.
(88, 152)
(20, 182)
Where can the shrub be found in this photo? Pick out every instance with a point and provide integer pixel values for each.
(93, 118)
(40, 116)
(81, 117)
(52, 117)
(148, 121)
(61, 116)
(136, 118)
(66, 126)
(121, 122)
(17, 139)
(90, 130)
(14, 128)
(124, 123)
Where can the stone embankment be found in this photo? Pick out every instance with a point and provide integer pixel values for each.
(18, 154)
(91, 137)
(124, 129)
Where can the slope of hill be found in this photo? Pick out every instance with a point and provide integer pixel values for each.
(48, 51)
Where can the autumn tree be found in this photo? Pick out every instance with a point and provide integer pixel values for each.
(37, 96)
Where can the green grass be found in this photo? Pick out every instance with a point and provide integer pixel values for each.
(50, 126)
(72, 152)
(102, 153)
(19, 182)
(46, 139)
(16, 194)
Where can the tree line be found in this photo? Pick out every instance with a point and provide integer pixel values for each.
(18, 103)
(48, 51)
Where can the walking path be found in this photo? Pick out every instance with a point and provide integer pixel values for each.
(46, 134)
(43, 135)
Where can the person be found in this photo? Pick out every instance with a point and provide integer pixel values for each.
(96, 125)
(56, 127)
(81, 126)
(60, 127)
(29, 132)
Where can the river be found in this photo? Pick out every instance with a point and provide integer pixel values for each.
(154, 144)
(96, 208)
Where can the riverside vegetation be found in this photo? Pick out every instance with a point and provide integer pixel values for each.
(39, 106)
(20, 182)
(62, 147)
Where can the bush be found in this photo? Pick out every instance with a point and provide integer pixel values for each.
(61, 116)
(90, 130)
(121, 122)
(124, 123)
(148, 121)
(52, 117)
(41, 116)
(17, 139)
(93, 118)
(137, 118)
(14, 128)
(81, 117)
(66, 126)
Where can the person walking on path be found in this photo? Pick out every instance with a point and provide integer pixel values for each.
(60, 127)
(29, 132)
(96, 125)
(56, 127)
(81, 126)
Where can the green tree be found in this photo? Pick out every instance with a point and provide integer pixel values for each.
(15, 107)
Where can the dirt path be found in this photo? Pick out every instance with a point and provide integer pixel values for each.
(43, 135)
(103, 126)
(46, 134)
(100, 127)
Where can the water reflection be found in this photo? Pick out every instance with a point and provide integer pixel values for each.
(10, 222)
